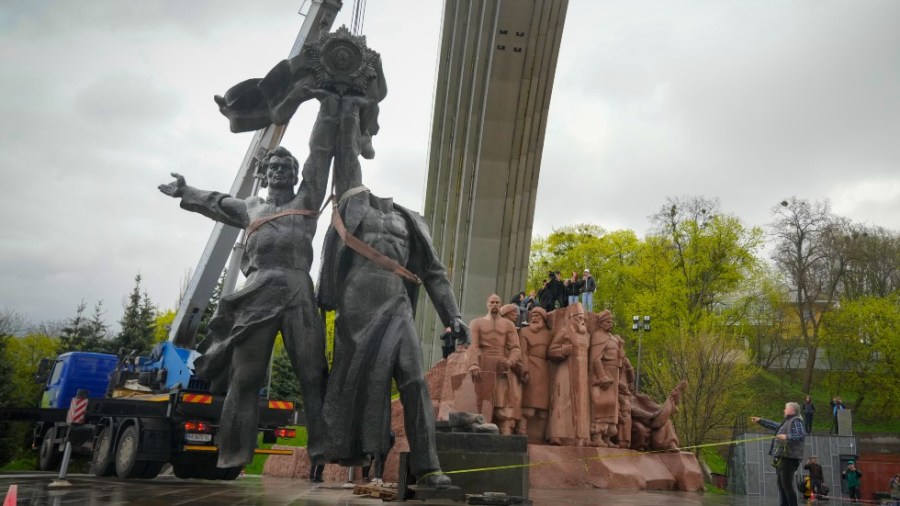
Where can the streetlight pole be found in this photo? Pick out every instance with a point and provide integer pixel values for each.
(640, 328)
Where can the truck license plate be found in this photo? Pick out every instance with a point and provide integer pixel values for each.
(197, 438)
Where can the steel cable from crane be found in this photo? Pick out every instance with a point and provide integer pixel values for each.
(358, 17)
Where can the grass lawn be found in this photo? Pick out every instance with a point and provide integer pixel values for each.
(29, 462)
(256, 466)
(774, 388)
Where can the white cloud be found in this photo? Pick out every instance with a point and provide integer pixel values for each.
(746, 101)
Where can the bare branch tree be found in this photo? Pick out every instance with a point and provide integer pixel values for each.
(811, 252)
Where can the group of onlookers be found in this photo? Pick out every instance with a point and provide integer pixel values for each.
(809, 410)
(788, 447)
(557, 292)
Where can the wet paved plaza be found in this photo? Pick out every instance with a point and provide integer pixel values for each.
(171, 491)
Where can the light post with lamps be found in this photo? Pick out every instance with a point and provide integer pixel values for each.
(640, 328)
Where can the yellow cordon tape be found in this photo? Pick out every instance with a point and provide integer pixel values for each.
(584, 460)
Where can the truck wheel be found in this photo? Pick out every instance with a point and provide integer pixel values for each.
(49, 456)
(209, 471)
(230, 473)
(183, 470)
(152, 470)
(127, 464)
(102, 463)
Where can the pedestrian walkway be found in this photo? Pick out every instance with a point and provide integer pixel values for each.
(170, 491)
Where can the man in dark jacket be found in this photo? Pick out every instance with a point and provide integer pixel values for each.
(786, 450)
(588, 287)
(809, 410)
(553, 294)
(816, 477)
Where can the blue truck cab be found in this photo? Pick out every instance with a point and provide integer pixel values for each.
(77, 370)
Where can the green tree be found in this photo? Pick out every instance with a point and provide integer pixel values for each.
(25, 354)
(11, 322)
(329, 338)
(687, 274)
(710, 360)
(210, 311)
(138, 323)
(861, 342)
(162, 324)
(768, 324)
(810, 251)
(75, 332)
(7, 394)
(610, 256)
(700, 257)
(873, 263)
(284, 385)
(22, 355)
(85, 334)
(98, 339)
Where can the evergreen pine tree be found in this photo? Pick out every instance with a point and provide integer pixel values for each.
(98, 336)
(203, 328)
(75, 332)
(285, 386)
(138, 326)
(148, 321)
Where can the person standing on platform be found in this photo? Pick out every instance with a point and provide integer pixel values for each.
(836, 405)
(809, 409)
(588, 287)
(786, 450)
(573, 288)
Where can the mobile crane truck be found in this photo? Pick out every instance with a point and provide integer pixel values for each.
(138, 414)
(141, 413)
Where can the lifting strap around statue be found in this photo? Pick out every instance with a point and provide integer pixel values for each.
(367, 251)
(265, 219)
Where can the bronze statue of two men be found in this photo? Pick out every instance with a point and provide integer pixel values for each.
(376, 256)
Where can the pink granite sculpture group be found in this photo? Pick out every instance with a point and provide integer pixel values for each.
(564, 380)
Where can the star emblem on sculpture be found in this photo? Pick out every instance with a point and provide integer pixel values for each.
(341, 61)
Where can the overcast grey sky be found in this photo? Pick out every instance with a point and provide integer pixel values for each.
(748, 102)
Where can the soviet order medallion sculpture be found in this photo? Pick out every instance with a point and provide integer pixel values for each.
(376, 255)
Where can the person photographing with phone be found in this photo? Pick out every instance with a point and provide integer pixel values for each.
(786, 450)
(852, 475)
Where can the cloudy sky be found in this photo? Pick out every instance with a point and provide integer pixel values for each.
(748, 102)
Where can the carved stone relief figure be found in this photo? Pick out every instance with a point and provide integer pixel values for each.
(605, 360)
(495, 347)
(625, 389)
(652, 428)
(535, 341)
(569, 421)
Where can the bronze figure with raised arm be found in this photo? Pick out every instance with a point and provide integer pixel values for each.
(277, 297)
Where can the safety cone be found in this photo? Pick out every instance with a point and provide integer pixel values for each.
(11, 496)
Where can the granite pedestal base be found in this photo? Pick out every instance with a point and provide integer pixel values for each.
(460, 451)
(612, 468)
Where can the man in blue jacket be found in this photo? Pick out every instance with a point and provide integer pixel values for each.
(786, 450)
